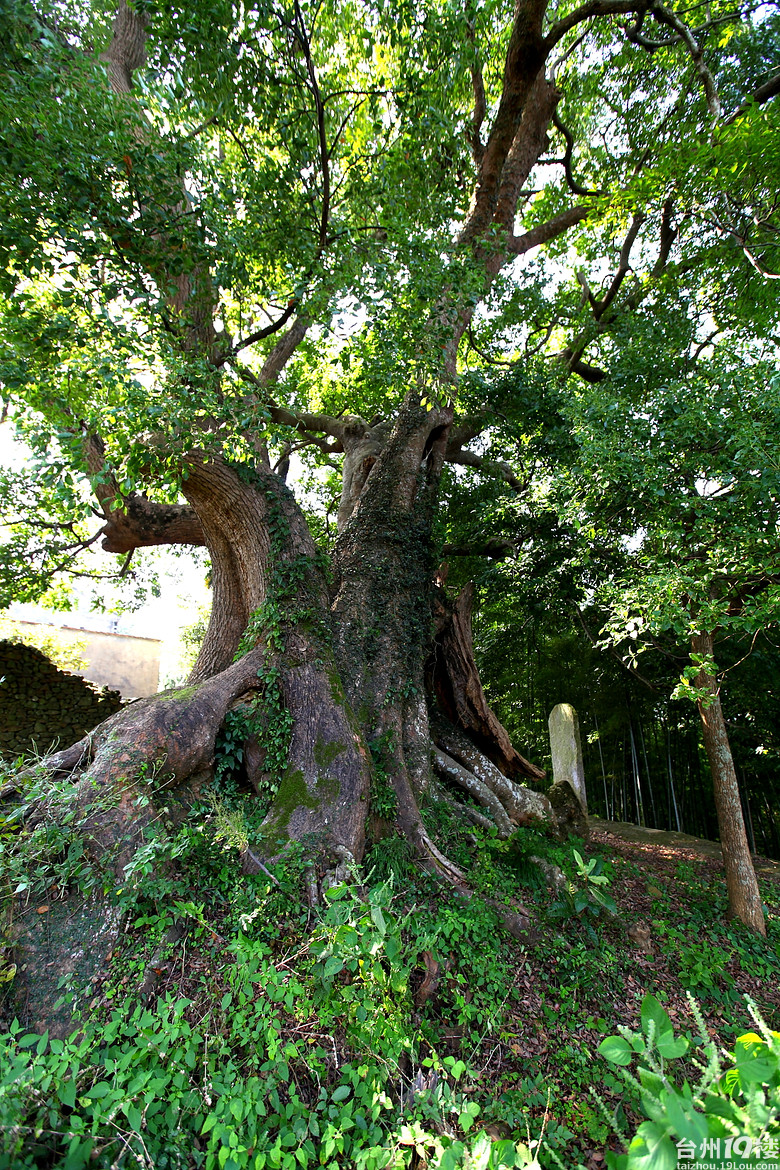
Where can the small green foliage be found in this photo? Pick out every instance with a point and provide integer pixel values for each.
(253, 1082)
(229, 750)
(384, 801)
(230, 826)
(266, 719)
(391, 859)
(49, 855)
(583, 897)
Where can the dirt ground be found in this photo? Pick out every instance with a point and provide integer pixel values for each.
(662, 839)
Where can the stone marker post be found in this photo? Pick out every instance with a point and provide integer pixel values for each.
(567, 750)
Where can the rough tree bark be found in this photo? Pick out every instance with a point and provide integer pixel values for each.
(743, 893)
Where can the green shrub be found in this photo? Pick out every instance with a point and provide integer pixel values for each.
(583, 897)
(255, 1079)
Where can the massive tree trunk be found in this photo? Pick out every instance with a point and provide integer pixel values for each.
(743, 893)
(341, 665)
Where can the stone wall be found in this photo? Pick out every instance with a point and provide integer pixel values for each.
(41, 706)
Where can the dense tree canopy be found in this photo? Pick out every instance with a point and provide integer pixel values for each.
(233, 235)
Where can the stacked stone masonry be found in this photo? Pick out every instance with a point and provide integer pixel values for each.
(42, 707)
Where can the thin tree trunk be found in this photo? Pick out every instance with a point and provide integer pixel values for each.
(741, 883)
(647, 773)
(673, 801)
(607, 810)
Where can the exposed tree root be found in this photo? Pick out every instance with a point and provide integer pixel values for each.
(520, 805)
(515, 919)
(440, 794)
(471, 784)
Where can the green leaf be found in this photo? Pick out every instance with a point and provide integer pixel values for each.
(503, 1153)
(332, 967)
(67, 1094)
(652, 1011)
(670, 1047)
(616, 1050)
(683, 1117)
(99, 1090)
(756, 1063)
(133, 1115)
(652, 1148)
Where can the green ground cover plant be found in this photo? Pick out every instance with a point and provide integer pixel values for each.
(393, 1025)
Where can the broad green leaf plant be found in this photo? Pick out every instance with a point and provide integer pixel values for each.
(732, 1109)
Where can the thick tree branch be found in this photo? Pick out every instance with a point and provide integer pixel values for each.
(589, 373)
(600, 307)
(309, 425)
(127, 50)
(266, 331)
(145, 524)
(635, 35)
(525, 57)
(769, 90)
(495, 548)
(759, 96)
(544, 232)
(666, 16)
(465, 429)
(529, 143)
(284, 349)
(132, 521)
(668, 236)
(493, 467)
(593, 8)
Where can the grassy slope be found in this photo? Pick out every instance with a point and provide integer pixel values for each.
(390, 1028)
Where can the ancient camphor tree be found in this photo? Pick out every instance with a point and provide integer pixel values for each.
(236, 234)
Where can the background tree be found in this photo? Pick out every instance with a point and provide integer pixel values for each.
(680, 481)
(230, 237)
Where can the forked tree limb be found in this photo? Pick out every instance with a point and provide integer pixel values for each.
(666, 16)
(589, 11)
(568, 138)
